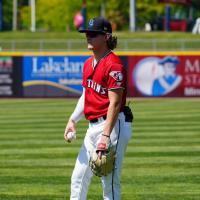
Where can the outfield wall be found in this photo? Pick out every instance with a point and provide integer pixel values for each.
(59, 74)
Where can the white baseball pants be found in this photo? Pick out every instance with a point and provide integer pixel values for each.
(82, 173)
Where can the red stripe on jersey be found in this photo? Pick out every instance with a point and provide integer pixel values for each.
(108, 74)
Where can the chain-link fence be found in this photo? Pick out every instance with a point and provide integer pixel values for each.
(80, 45)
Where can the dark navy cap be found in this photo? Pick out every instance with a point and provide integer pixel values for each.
(98, 24)
(169, 59)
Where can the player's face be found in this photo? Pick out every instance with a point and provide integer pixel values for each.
(95, 40)
(169, 68)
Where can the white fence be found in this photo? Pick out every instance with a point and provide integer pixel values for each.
(80, 45)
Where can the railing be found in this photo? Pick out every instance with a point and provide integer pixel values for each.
(80, 45)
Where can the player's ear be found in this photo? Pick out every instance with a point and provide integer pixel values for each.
(107, 36)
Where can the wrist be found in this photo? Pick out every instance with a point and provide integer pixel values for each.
(105, 135)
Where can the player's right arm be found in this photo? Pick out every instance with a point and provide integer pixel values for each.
(76, 116)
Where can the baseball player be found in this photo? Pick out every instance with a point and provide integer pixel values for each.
(102, 103)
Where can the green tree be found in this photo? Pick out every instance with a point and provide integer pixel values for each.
(57, 15)
(50, 15)
(118, 13)
(7, 15)
(148, 11)
(196, 3)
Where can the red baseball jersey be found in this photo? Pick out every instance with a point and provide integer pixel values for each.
(109, 73)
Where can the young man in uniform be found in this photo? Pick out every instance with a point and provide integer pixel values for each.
(102, 103)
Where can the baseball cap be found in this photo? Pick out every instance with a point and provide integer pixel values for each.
(98, 24)
(169, 59)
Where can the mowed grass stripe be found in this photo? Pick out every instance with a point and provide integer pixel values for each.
(138, 169)
(52, 124)
(129, 154)
(136, 163)
(162, 159)
(56, 112)
(25, 133)
(140, 139)
(141, 143)
(192, 179)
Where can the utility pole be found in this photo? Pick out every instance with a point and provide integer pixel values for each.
(167, 17)
(132, 15)
(84, 13)
(14, 21)
(103, 13)
(1, 15)
(33, 24)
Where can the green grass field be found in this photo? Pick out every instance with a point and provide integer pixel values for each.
(77, 35)
(162, 160)
(64, 41)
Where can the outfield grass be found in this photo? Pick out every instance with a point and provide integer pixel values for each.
(64, 41)
(162, 160)
(77, 35)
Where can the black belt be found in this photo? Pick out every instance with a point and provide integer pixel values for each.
(97, 119)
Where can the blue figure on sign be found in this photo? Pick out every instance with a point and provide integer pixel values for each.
(169, 79)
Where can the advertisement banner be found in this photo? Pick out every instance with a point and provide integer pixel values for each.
(10, 76)
(164, 76)
(6, 76)
(53, 75)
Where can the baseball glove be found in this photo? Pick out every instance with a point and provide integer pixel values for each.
(102, 160)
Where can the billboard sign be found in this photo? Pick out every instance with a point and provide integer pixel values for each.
(53, 75)
(6, 76)
(159, 76)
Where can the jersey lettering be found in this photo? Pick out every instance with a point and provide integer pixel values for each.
(96, 87)
(109, 74)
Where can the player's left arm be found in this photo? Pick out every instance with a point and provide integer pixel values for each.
(115, 98)
(116, 83)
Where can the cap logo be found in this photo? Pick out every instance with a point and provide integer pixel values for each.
(91, 22)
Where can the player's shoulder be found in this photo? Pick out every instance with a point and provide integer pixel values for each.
(113, 58)
(88, 60)
(87, 63)
(113, 61)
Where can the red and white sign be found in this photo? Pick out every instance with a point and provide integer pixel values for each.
(171, 76)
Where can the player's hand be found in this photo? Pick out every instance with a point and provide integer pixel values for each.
(70, 127)
(104, 140)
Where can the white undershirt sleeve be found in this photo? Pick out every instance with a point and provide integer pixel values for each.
(79, 110)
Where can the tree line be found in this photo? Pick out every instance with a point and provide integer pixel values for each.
(58, 15)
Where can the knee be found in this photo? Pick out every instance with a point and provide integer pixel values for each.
(76, 177)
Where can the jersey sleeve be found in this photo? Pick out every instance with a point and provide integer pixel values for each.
(116, 77)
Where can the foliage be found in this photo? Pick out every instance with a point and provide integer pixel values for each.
(93, 8)
(58, 15)
(50, 15)
(196, 3)
(25, 17)
(7, 15)
(146, 13)
(118, 13)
